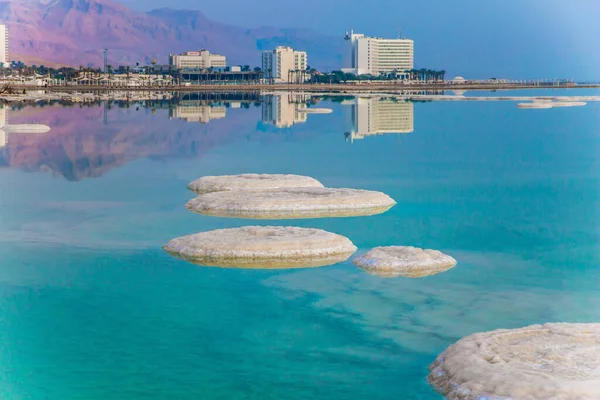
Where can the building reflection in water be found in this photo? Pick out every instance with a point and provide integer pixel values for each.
(281, 110)
(197, 111)
(378, 116)
(6, 129)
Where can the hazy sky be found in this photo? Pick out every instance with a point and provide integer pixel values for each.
(474, 38)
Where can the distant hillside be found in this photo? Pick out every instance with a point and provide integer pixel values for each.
(75, 32)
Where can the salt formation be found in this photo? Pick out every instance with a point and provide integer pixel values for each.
(406, 261)
(267, 247)
(289, 203)
(569, 104)
(536, 104)
(209, 184)
(315, 110)
(540, 362)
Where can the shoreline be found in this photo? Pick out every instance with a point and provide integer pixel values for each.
(449, 92)
(314, 88)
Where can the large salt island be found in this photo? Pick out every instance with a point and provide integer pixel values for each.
(540, 362)
(209, 184)
(292, 203)
(264, 247)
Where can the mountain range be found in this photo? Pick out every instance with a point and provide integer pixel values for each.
(76, 32)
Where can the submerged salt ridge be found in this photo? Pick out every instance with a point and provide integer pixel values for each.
(263, 247)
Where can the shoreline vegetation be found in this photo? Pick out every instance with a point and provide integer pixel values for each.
(415, 91)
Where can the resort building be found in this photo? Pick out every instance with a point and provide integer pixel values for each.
(284, 64)
(198, 112)
(281, 110)
(202, 59)
(370, 55)
(4, 55)
(371, 116)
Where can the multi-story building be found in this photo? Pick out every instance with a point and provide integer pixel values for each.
(370, 55)
(371, 116)
(281, 110)
(202, 59)
(4, 55)
(284, 64)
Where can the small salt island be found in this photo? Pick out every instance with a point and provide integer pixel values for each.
(405, 261)
(539, 362)
(209, 184)
(309, 110)
(568, 104)
(292, 203)
(262, 247)
(536, 105)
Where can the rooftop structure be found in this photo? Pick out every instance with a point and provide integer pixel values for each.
(284, 64)
(370, 55)
(202, 59)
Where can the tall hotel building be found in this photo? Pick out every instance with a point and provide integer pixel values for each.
(369, 55)
(283, 64)
(4, 56)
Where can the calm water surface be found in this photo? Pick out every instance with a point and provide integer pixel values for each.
(92, 308)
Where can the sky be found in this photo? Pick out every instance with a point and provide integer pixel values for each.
(520, 39)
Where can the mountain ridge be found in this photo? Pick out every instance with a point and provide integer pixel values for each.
(75, 32)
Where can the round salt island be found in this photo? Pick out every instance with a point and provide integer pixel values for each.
(539, 362)
(536, 105)
(292, 203)
(315, 110)
(264, 247)
(208, 184)
(406, 261)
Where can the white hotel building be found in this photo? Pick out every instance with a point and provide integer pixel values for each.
(4, 56)
(282, 64)
(369, 55)
(202, 59)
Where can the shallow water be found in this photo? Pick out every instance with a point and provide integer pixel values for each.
(92, 308)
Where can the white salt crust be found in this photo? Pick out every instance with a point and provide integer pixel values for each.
(288, 203)
(541, 362)
(569, 104)
(406, 261)
(268, 247)
(315, 110)
(537, 104)
(208, 184)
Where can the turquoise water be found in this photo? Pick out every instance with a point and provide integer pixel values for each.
(91, 307)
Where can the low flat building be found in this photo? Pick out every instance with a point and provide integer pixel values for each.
(374, 56)
(202, 59)
(284, 64)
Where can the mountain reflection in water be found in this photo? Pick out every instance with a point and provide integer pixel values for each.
(88, 140)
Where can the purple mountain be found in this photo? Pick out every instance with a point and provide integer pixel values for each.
(76, 32)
